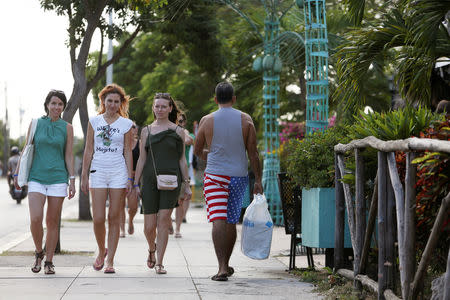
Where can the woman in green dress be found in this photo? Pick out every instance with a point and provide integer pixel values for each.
(166, 140)
(51, 169)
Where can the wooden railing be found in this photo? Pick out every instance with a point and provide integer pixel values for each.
(388, 197)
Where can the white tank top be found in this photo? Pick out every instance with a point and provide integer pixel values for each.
(108, 142)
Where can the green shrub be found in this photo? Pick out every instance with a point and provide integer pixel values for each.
(393, 125)
(310, 162)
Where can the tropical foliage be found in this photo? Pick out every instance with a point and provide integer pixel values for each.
(310, 162)
(404, 41)
(432, 186)
(393, 125)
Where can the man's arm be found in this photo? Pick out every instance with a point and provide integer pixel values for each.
(200, 141)
(253, 155)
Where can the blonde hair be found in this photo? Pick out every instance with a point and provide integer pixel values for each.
(114, 89)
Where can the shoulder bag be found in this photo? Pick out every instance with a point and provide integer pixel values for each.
(26, 158)
(163, 182)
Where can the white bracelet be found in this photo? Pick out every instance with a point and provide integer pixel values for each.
(71, 177)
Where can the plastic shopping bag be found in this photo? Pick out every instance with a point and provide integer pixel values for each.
(257, 228)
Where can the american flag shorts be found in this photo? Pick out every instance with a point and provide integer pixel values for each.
(224, 196)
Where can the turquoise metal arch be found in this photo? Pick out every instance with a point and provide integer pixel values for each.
(316, 54)
(315, 43)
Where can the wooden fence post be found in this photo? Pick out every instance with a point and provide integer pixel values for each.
(390, 234)
(370, 227)
(360, 214)
(382, 176)
(409, 237)
(429, 248)
(339, 224)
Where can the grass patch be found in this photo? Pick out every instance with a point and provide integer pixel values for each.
(332, 286)
(31, 253)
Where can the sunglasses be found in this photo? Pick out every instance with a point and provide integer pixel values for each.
(162, 95)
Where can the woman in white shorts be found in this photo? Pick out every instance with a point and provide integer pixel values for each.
(107, 169)
(52, 164)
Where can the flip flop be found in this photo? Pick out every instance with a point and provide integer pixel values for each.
(178, 235)
(230, 271)
(221, 277)
(99, 265)
(109, 270)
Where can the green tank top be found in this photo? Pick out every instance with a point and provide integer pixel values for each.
(49, 165)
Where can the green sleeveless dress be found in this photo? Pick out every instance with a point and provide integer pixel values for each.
(167, 149)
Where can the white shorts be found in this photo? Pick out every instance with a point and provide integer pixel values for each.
(52, 190)
(111, 178)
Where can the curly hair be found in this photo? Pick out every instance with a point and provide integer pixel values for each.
(114, 89)
(175, 111)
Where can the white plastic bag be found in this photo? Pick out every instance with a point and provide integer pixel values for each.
(257, 228)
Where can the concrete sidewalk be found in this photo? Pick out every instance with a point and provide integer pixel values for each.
(190, 262)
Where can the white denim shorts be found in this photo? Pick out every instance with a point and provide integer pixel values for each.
(52, 190)
(109, 179)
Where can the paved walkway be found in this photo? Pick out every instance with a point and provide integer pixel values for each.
(190, 262)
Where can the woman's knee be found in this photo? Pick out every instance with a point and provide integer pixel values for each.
(36, 221)
(51, 221)
(98, 221)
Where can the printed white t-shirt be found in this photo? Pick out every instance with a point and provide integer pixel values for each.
(108, 142)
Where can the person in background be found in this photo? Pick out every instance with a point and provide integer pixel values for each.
(133, 197)
(161, 152)
(51, 169)
(13, 160)
(107, 169)
(183, 203)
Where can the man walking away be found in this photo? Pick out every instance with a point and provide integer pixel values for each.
(225, 138)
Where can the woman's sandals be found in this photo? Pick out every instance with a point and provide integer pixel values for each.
(160, 269)
(49, 268)
(39, 256)
(151, 260)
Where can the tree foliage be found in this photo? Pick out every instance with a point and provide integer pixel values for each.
(404, 40)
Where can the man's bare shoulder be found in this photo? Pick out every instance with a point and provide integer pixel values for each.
(206, 120)
(246, 119)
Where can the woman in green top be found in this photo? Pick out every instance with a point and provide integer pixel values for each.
(51, 168)
(166, 140)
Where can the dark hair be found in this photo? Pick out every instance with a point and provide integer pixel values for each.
(175, 111)
(56, 93)
(114, 89)
(224, 92)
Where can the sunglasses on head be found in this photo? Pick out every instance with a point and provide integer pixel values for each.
(162, 95)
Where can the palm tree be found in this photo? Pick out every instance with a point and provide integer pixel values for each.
(405, 40)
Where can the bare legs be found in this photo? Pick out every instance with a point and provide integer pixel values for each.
(224, 238)
(116, 198)
(132, 210)
(180, 213)
(36, 203)
(156, 226)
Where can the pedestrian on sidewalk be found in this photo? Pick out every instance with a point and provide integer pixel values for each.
(133, 197)
(51, 169)
(223, 140)
(161, 152)
(107, 169)
(183, 203)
